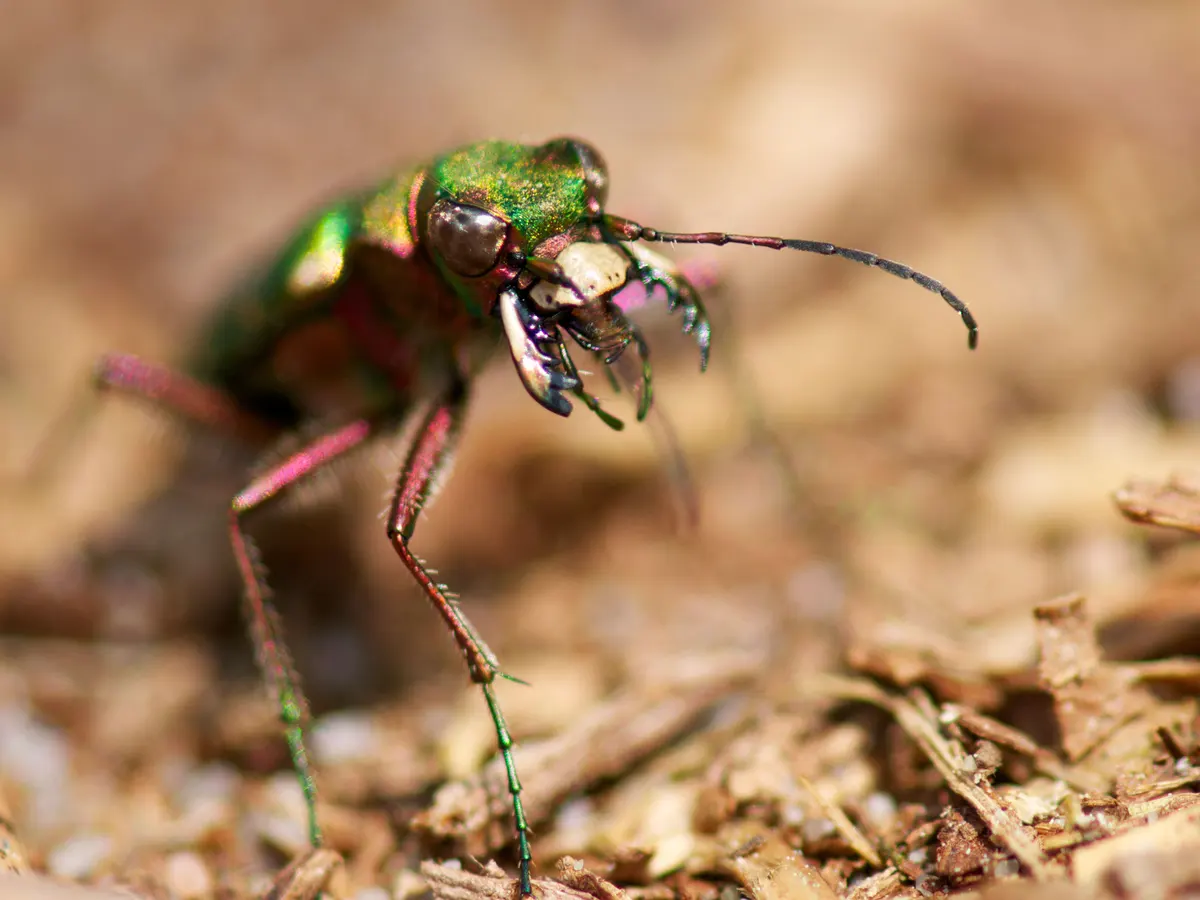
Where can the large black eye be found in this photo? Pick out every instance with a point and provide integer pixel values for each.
(466, 237)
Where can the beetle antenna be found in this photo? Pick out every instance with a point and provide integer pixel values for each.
(628, 230)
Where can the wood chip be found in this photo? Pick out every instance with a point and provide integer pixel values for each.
(1005, 826)
(767, 868)
(306, 876)
(1172, 841)
(602, 744)
(31, 887)
(452, 883)
(1092, 698)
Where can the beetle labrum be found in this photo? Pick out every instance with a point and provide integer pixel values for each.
(385, 305)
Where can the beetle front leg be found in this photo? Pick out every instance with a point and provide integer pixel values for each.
(427, 463)
(265, 628)
(655, 270)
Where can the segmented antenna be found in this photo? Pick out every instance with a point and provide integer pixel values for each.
(631, 231)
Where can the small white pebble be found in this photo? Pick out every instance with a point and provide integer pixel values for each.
(344, 737)
(373, 893)
(792, 814)
(38, 758)
(880, 809)
(203, 818)
(187, 877)
(214, 781)
(1183, 767)
(286, 833)
(815, 829)
(408, 884)
(1007, 868)
(78, 857)
(671, 854)
(285, 795)
(452, 863)
(575, 813)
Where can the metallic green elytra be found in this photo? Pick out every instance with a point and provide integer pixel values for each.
(385, 305)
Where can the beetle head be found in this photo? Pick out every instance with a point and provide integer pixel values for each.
(513, 230)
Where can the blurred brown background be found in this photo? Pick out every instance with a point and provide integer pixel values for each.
(865, 482)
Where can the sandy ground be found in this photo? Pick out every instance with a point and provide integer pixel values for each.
(851, 624)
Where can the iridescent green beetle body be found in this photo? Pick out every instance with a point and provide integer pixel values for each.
(386, 304)
(361, 316)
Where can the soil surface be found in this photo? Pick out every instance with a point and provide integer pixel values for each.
(933, 627)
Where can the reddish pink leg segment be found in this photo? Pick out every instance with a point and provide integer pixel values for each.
(180, 393)
(260, 613)
(424, 467)
(426, 464)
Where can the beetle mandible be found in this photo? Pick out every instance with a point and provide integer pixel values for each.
(388, 302)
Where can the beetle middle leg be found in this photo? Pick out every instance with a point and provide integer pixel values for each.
(426, 464)
(265, 628)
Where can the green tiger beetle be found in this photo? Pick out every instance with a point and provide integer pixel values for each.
(391, 300)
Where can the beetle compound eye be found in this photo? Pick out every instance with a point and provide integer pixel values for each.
(595, 172)
(467, 238)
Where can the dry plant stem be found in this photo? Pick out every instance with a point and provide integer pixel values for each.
(452, 883)
(1165, 786)
(855, 838)
(603, 744)
(1006, 828)
(34, 887)
(767, 868)
(1181, 671)
(1006, 736)
(1174, 503)
(1162, 806)
(305, 876)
